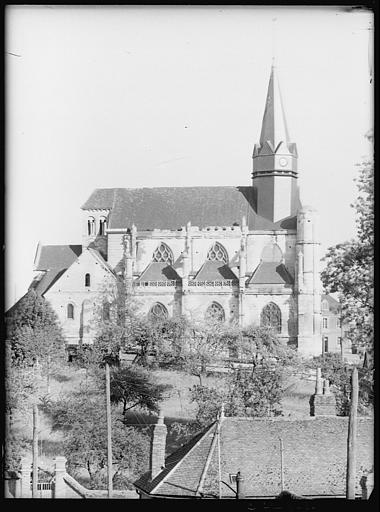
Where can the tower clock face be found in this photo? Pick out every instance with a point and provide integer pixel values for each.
(283, 162)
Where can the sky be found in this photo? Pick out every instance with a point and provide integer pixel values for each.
(100, 97)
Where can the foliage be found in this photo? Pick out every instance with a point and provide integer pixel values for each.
(34, 331)
(339, 375)
(350, 265)
(134, 386)
(83, 418)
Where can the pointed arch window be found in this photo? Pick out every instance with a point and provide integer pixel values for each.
(158, 312)
(163, 254)
(91, 226)
(70, 311)
(217, 253)
(87, 280)
(325, 305)
(271, 317)
(215, 312)
(102, 226)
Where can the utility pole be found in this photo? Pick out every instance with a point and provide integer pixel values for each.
(351, 438)
(109, 438)
(282, 464)
(35, 452)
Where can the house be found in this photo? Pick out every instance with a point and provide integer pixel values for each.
(242, 254)
(305, 457)
(334, 332)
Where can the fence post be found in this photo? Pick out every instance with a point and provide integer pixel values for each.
(59, 472)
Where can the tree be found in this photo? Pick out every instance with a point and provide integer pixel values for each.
(134, 386)
(34, 333)
(82, 417)
(338, 374)
(350, 265)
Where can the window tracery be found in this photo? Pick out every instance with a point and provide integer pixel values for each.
(215, 312)
(158, 312)
(217, 253)
(271, 317)
(163, 254)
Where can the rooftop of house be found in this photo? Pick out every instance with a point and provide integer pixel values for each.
(252, 446)
(173, 207)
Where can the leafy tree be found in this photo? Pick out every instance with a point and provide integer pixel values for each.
(34, 333)
(350, 265)
(339, 375)
(134, 386)
(82, 417)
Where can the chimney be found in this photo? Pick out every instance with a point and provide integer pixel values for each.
(323, 402)
(157, 450)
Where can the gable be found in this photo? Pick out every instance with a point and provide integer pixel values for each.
(73, 279)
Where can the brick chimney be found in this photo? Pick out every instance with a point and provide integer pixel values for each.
(158, 444)
(323, 402)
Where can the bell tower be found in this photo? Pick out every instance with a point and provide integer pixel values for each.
(274, 176)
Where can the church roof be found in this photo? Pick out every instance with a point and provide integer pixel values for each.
(42, 283)
(271, 272)
(251, 445)
(57, 256)
(214, 271)
(159, 271)
(173, 207)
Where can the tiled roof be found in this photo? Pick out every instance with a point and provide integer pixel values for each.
(41, 284)
(334, 305)
(57, 256)
(100, 199)
(157, 271)
(174, 207)
(314, 450)
(214, 271)
(271, 272)
(200, 445)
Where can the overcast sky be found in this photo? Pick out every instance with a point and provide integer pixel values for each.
(174, 96)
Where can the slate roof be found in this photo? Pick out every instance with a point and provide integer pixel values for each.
(157, 271)
(57, 256)
(173, 207)
(271, 272)
(334, 305)
(214, 271)
(42, 283)
(315, 451)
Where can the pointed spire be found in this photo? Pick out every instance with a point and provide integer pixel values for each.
(274, 128)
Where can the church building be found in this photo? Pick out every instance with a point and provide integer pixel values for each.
(245, 254)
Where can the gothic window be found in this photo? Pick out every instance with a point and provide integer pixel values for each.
(271, 317)
(158, 312)
(87, 280)
(215, 312)
(91, 226)
(70, 311)
(217, 253)
(102, 225)
(163, 254)
(325, 305)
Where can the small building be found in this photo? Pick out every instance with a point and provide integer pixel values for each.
(333, 331)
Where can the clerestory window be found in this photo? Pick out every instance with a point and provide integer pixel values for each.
(217, 253)
(163, 254)
(87, 280)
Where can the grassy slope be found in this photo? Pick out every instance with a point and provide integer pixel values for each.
(176, 406)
